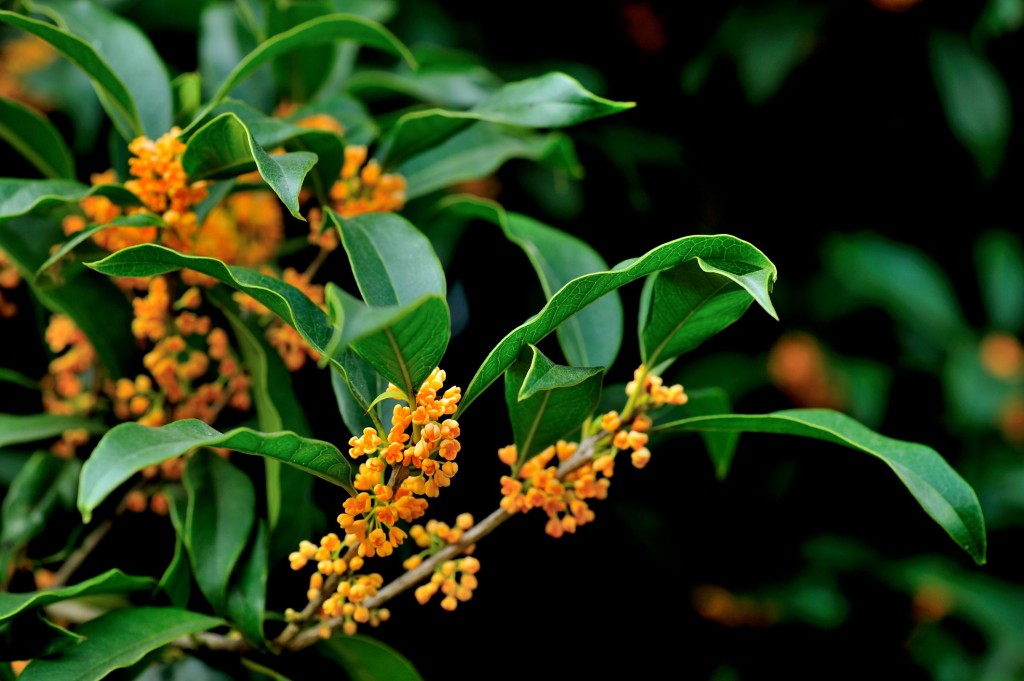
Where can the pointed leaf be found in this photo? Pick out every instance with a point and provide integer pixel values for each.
(31, 636)
(129, 53)
(584, 290)
(51, 269)
(940, 490)
(176, 581)
(477, 151)
(546, 402)
(223, 42)
(129, 447)
(999, 261)
(554, 100)
(35, 138)
(110, 582)
(113, 94)
(404, 342)
(224, 148)
(19, 379)
(368, 659)
(18, 197)
(393, 262)
(355, 387)
(247, 595)
(329, 29)
(688, 304)
(117, 640)
(592, 336)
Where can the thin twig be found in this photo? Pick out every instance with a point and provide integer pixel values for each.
(78, 556)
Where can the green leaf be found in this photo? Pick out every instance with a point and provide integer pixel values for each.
(221, 513)
(404, 343)
(546, 401)
(940, 490)
(975, 98)
(458, 87)
(284, 300)
(224, 148)
(16, 429)
(368, 659)
(591, 337)
(329, 29)
(31, 636)
(187, 89)
(16, 378)
(186, 669)
(247, 594)
(33, 497)
(112, 92)
(128, 448)
(130, 54)
(176, 581)
(554, 100)
(584, 290)
(475, 152)
(50, 267)
(18, 197)
(686, 305)
(117, 640)
(999, 261)
(356, 386)
(110, 582)
(393, 262)
(35, 138)
(357, 122)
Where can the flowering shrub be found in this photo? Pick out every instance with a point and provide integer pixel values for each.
(196, 286)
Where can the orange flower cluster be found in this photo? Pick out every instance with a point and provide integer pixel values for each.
(456, 579)
(364, 188)
(351, 591)
(655, 394)
(537, 485)
(69, 388)
(186, 346)
(9, 278)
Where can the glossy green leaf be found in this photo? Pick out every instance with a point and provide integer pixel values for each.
(686, 305)
(31, 636)
(224, 148)
(554, 100)
(940, 490)
(393, 262)
(128, 51)
(128, 448)
(110, 582)
(358, 124)
(51, 267)
(113, 94)
(458, 87)
(329, 29)
(355, 388)
(475, 152)
(591, 337)
(117, 640)
(584, 290)
(999, 259)
(368, 659)
(16, 429)
(404, 342)
(975, 98)
(33, 496)
(34, 137)
(546, 401)
(221, 513)
(247, 594)
(187, 89)
(284, 300)
(18, 197)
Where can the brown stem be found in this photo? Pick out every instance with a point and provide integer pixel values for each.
(78, 556)
(313, 607)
